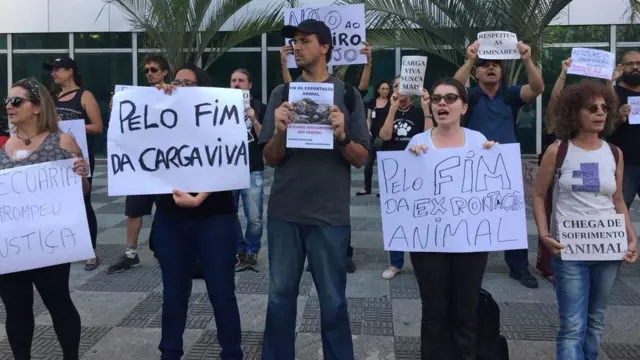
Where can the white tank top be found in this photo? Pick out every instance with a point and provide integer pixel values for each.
(586, 183)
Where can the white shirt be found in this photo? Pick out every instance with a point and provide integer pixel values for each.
(472, 138)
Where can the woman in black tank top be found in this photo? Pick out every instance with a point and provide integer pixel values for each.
(38, 140)
(73, 102)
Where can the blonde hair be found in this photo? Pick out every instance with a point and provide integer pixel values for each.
(38, 95)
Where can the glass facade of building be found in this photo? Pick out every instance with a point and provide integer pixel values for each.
(107, 59)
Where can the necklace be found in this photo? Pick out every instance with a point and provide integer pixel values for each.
(26, 141)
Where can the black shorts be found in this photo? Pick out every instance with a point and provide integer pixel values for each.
(138, 205)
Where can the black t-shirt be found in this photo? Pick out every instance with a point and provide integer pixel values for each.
(406, 124)
(256, 161)
(378, 116)
(626, 136)
(216, 203)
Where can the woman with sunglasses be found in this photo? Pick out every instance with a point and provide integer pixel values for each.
(449, 283)
(582, 115)
(402, 122)
(38, 139)
(74, 102)
(191, 228)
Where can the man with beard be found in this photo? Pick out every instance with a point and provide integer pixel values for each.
(626, 135)
(308, 212)
(493, 111)
(249, 245)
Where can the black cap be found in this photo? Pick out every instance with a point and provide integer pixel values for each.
(62, 62)
(482, 62)
(310, 26)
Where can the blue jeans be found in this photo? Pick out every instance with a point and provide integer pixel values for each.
(582, 290)
(630, 184)
(180, 244)
(252, 204)
(326, 249)
(396, 259)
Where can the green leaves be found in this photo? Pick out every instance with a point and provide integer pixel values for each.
(444, 28)
(184, 29)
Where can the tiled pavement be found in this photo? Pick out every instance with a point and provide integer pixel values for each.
(121, 313)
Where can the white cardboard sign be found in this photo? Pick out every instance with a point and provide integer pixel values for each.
(593, 238)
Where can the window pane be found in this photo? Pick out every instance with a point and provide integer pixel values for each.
(102, 40)
(3, 91)
(3, 41)
(627, 33)
(30, 65)
(274, 71)
(41, 41)
(145, 43)
(100, 73)
(221, 69)
(255, 41)
(579, 33)
(274, 38)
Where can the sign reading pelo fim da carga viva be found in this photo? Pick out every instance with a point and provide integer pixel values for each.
(43, 219)
(453, 200)
(194, 140)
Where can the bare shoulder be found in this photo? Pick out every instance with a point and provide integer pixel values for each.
(68, 142)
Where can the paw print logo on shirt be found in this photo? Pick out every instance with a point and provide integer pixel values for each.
(402, 128)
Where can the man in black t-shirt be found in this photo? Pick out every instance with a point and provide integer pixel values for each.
(252, 198)
(626, 135)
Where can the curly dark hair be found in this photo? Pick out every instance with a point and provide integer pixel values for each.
(566, 108)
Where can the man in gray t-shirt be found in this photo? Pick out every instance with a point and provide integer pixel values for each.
(308, 211)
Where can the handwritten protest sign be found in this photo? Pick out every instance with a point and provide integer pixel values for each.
(119, 88)
(412, 75)
(194, 140)
(347, 26)
(77, 129)
(310, 127)
(453, 200)
(593, 238)
(43, 221)
(498, 45)
(592, 63)
(634, 115)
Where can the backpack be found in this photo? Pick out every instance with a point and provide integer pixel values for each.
(506, 97)
(349, 96)
(490, 342)
(543, 261)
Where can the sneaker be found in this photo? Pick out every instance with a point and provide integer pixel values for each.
(390, 273)
(251, 260)
(125, 263)
(351, 266)
(240, 259)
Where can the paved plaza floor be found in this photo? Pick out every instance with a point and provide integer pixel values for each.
(121, 313)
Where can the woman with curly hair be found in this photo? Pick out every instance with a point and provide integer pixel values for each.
(583, 114)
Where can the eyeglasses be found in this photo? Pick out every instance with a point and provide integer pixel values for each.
(15, 101)
(632, 64)
(152, 70)
(448, 98)
(593, 108)
(186, 83)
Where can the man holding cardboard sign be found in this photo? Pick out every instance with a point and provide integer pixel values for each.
(493, 111)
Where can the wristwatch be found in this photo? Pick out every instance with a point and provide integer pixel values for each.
(346, 141)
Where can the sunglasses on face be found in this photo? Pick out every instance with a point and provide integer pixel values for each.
(15, 101)
(593, 108)
(186, 83)
(152, 70)
(448, 98)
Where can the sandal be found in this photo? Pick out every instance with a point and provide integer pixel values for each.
(92, 266)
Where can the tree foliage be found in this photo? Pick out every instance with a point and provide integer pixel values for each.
(184, 29)
(444, 28)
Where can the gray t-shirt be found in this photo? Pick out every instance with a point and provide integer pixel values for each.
(312, 186)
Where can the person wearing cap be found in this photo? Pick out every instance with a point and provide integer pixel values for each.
(308, 210)
(493, 110)
(74, 102)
